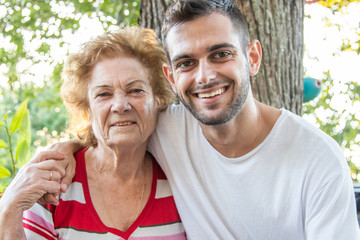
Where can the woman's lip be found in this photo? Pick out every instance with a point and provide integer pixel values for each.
(120, 124)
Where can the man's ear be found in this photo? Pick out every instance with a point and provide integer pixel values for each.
(254, 55)
(158, 103)
(169, 75)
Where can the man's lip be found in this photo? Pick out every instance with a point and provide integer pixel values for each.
(211, 92)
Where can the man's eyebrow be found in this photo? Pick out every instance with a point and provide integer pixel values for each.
(180, 56)
(220, 45)
(209, 49)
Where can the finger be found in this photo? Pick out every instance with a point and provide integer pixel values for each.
(69, 175)
(47, 155)
(54, 165)
(49, 198)
(44, 174)
(50, 175)
(55, 176)
(31, 183)
(50, 187)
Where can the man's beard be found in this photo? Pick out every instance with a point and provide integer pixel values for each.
(232, 108)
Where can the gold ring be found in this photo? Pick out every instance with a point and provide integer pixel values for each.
(51, 175)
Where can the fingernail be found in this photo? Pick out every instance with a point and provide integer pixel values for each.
(64, 187)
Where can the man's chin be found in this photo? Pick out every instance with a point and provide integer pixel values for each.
(213, 119)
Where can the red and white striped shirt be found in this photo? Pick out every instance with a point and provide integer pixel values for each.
(76, 218)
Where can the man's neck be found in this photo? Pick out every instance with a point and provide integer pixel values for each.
(244, 132)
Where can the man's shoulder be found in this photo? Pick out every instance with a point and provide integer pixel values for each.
(299, 124)
(173, 109)
(298, 131)
(175, 113)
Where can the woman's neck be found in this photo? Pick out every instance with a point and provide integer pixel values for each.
(126, 164)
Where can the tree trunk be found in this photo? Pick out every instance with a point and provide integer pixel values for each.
(278, 25)
(152, 13)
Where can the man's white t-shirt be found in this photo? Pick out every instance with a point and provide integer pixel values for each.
(295, 185)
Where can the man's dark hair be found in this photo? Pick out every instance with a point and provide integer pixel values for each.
(182, 11)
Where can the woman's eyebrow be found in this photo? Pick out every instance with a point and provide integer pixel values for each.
(136, 81)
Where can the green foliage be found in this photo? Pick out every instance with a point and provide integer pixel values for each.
(336, 111)
(340, 6)
(19, 131)
(341, 122)
(337, 5)
(30, 27)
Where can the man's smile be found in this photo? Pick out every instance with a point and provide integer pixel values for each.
(211, 94)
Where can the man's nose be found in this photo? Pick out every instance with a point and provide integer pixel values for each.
(205, 72)
(120, 103)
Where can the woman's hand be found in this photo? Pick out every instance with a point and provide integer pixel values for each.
(39, 176)
(36, 178)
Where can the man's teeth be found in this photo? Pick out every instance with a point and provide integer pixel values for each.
(211, 94)
(122, 124)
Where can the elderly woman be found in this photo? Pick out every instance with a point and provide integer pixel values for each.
(113, 89)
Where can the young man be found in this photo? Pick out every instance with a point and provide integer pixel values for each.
(240, 169)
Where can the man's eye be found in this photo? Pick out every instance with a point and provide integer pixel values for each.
(184, 64)
(222, 54)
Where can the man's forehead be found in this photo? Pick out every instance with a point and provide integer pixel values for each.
(201, 34)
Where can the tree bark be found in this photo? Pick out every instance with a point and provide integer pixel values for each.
(152, 13)
(278, 25)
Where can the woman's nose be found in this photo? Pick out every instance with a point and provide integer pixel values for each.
(120, 104)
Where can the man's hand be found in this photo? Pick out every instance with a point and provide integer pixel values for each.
(68, 164)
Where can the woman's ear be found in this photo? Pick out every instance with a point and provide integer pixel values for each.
(169, 75)
(254, 55)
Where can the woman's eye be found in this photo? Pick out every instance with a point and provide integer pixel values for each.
(103, 94)
(136, 90)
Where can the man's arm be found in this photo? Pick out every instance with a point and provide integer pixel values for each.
(331, 212)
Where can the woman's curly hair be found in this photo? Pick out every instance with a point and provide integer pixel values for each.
(137, 42)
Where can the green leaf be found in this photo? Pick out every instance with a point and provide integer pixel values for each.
(25, 128)
(1, 124)
(4, 172)
(2, 144)
(6, 115)
(24, 138)
(16, 121)
(23, 151)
